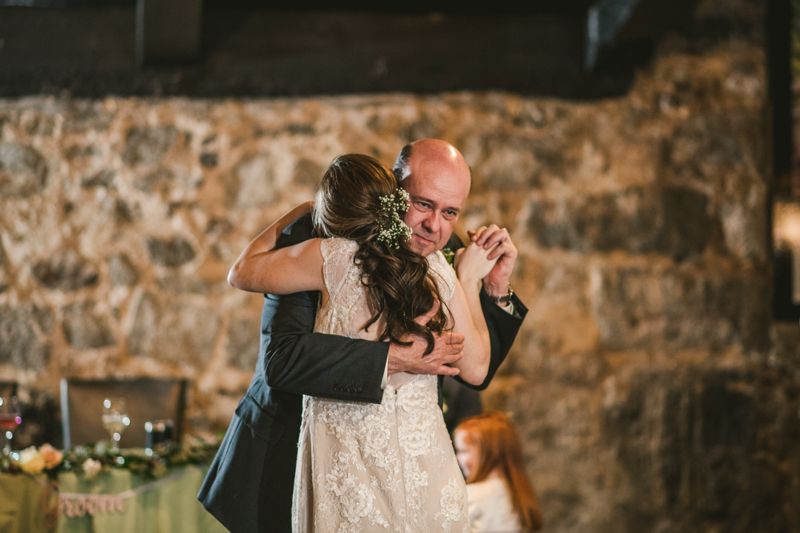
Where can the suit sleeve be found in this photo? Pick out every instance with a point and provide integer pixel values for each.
(303, 362)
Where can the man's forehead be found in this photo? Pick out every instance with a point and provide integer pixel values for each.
(438, 181)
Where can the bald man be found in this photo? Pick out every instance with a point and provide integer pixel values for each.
(249, 485)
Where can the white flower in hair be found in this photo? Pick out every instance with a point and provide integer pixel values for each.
(393, 229)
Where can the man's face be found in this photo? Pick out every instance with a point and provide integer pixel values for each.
(438, 194)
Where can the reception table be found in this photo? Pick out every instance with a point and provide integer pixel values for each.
(116, 501)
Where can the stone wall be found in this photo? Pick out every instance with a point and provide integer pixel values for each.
(651, 389)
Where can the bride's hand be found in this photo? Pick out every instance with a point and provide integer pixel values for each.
(472, 263)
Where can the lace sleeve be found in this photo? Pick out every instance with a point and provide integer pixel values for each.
(444, 275)
(337, 261)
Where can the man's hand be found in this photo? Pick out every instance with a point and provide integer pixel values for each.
(496, 282)
(410, 358)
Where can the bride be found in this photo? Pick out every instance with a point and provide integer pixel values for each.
(388, 466)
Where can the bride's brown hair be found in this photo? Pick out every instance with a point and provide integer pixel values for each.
(398, 282)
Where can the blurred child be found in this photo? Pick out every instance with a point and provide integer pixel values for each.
(501, 499)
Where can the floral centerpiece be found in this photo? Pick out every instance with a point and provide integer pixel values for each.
(93, 460)
(35, 461)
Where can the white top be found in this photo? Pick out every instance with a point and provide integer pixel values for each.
(490, 509)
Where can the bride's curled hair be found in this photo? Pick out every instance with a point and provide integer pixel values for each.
(398, 283)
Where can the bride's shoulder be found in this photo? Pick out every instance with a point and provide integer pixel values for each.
(444, 272)
(336, 246)
(437, 260)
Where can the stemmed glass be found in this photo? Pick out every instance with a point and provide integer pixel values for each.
(9, 420)
(115, 420)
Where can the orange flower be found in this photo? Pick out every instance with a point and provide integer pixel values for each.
(52, 457)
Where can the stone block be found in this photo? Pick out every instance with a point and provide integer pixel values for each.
(707, 148)
(515, 163)
(638, 220)
(685, 227)
(244, 335)
(23, 170)
(170, 253)
(308, 173)
(104, 178)
(423, 128)
(121, 271)
(219, 226)
(148, 145)
(65, 271)
(119, 211)
(178, 283)
(43, 125)
(173, 331)
(83, 116)
(24, 336)
(785, 346)
(678, 309)
(85, 328)
(688, 441)
(77, 151)
(727, 411)
(727, 442)
(252, 183)
(209, 160)
(160, 180)
(5, 277)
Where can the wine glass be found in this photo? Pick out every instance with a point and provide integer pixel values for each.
(9, 420)
(115, 420)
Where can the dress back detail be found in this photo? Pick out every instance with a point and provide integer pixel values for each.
(387, 467)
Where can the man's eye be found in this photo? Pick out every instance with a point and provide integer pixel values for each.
(424, 205)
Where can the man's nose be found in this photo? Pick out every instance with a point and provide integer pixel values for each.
(431, 223)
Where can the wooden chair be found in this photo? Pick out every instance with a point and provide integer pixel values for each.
(146, 399)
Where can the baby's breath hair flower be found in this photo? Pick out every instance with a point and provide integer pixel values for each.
(393, 229)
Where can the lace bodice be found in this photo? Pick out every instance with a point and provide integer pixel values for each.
(346, 311)
(386, 467)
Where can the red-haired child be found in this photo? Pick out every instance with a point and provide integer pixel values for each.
(501, 498)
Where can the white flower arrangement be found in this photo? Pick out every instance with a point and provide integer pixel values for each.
(393, 229)
(91, 468)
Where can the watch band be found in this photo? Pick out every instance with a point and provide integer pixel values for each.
(500, 299)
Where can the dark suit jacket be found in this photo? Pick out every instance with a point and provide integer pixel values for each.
(248, 487)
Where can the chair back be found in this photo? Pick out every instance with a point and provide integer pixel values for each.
(8, 389)
(146, 399)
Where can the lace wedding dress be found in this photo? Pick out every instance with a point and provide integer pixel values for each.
(387, 467)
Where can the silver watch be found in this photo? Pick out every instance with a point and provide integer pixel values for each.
(500, 299)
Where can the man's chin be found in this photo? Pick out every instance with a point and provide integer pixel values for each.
(421, 246)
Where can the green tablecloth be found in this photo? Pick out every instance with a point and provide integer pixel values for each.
(167, 505)
(20, 510)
